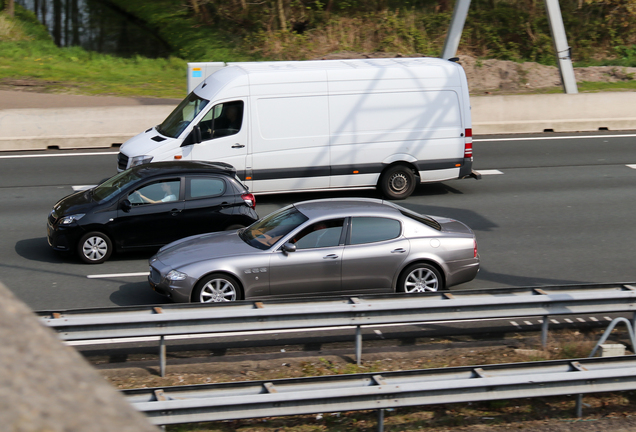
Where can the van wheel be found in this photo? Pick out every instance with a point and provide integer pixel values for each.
(94, 248)
(397, 182)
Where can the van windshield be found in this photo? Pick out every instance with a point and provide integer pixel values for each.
(182, 115)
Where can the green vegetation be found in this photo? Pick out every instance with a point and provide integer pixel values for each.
(27, 53)
(599, 31)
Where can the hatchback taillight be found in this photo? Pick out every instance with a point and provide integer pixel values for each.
(249, 199)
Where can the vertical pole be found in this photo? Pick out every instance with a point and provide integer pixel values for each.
(358, 345)
(579, 405)
(634, 327)
(162, 356)
(561, 47)
(544, 332)
(381, 420)
(455, 29)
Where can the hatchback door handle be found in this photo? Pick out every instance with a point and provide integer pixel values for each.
(237, 145)
(330, 256)
(400, 250)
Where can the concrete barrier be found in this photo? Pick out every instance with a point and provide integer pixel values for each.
(67, 128)
(556, 112)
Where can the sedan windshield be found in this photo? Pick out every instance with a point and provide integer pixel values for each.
(182, 115)
(264, 233)
(113, 185)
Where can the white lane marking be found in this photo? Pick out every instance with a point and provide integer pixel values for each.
(527, 323)
(594, 319)
(554, 321)
(580, 320)
(568, 320)
(489, 172)
(56, 155)
(84, 187)
(607, 318)
(632, 166)
(553, 138)
(514, 324)
(116, 275)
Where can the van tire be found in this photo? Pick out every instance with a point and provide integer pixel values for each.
(397, 182)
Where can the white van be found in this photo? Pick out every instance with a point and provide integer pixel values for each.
(327, 124)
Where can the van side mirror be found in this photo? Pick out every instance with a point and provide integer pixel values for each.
(125, 205)
(193, 138)
(289, 247)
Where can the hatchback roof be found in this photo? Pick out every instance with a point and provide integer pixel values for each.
(180, 167)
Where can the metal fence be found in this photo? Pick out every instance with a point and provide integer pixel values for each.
(188, 319)
(371, 391)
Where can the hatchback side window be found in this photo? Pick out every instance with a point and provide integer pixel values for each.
(318, 235)
(205, 188)
(373, 229)
(224, 119)
(154, 193)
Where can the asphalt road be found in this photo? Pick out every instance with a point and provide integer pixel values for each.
(550, 209)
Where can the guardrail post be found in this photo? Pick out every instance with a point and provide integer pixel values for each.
(544, 332)
(162, 356)
(381, 420)
(358, 345)
(579, 405)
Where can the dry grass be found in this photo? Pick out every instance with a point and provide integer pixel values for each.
(10, 30)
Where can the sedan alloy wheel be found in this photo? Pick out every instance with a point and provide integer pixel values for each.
(420, 278)
(216, 289)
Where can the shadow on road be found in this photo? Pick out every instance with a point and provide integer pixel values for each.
(137, 294)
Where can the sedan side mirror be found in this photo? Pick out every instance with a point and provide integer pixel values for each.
(125, 205)
(289, 247)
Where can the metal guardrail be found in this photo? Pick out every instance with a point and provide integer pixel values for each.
(296, 396)
(180, 319)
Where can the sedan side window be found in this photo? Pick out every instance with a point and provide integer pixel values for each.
(154, 193)
(224, 119)
(372, 229)
(319, 235)
(205, 188)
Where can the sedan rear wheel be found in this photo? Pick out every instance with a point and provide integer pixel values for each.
(94, 248)
(217, 288)
(420, 278)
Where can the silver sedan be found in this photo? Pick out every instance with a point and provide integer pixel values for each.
(320, 247)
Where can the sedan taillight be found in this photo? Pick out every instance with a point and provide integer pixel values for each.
(475, 249)
(249, 199)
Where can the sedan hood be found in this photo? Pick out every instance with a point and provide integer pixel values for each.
(78, 202)
(452, 225)
(203, 247)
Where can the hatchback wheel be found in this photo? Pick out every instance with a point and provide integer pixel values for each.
(217, 288)
(94, 248)
(420, 278)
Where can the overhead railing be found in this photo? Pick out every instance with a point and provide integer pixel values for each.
(306, 314)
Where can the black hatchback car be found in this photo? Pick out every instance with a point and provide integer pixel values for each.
(148, 206)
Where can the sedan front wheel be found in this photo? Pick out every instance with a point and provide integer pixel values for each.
(420, 278)
(217, 288)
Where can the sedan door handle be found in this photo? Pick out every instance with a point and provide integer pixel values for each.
(175, 212)
(400, 250)
(237, 145)
(330, 256)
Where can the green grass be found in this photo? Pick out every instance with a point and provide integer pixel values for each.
(28, 53)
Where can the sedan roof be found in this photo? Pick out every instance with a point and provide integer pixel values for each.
(343, 207)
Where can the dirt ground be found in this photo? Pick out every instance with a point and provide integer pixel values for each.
(602, 412)
(505, 77)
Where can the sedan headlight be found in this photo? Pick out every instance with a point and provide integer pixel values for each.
(175, 275)
(140, 160)
(67, 220)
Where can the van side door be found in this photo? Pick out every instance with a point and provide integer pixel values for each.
(223, 136)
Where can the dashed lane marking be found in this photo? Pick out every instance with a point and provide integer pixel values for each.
(489, 172)
(56, 155)
(116, 275)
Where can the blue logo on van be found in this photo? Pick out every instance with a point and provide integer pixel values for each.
(196, 74)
